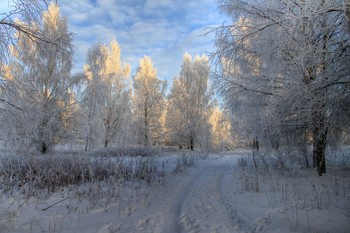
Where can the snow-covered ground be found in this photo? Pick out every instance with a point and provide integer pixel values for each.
(217, 194)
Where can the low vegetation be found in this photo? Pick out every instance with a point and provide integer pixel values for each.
(286, 186)
(32, 174)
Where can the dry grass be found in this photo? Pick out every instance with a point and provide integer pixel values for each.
(29, 174)
(33, 174)
(291, 189)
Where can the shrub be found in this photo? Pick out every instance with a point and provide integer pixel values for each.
(32, 173)
(132, 151)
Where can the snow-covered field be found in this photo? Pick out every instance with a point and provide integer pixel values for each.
(222, 193)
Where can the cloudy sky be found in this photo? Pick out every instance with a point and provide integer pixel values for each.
(160, 29)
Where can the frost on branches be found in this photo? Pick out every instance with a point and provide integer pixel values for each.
(284, 68)
(189, 104)
(105, 104)
(149, 103)
(38, 84)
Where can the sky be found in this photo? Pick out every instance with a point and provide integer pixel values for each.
(161, 29)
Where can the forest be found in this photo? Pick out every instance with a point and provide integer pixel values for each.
(265, 117)
(292, 86)
(43, 104)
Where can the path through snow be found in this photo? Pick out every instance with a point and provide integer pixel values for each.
(192, 201)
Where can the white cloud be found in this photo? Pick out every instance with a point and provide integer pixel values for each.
(152, 4)
(150, 34)
(161, 29)
(121, 12)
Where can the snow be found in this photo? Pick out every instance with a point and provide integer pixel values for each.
(215, 195)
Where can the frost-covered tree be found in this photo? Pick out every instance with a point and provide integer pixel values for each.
(149, 102)
(189, 104)
(22, 16)
(38, 84)
(286, 65)
(93, 98)
(106, 99)
(28, 11)
(221, 136)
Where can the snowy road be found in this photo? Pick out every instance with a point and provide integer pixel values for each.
(194, 201)
(205, 206)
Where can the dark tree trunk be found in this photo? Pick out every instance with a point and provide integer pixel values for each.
(107, 124)
(319, 143)
(255, 150)
(191, 143)
(256, 145)
(43, 148)
(43, 136)
(319, 148)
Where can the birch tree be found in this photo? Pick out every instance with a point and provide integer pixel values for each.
(221, 136)
(22, 17)
(291, 58)
(189, 103)
(27, 11)
(106, 100)
(38, 83)
(149, 102)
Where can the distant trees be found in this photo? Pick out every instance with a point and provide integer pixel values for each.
(149, 102)
(189, 104)
(285, 69)
(221, 136)
(106, 99)
(37, 84)
(42, 104)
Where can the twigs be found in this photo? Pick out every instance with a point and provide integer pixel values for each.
(46, 208)
(40, 173)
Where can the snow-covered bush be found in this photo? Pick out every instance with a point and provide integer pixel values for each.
(131, 151)
(187, 159)
(32, 173)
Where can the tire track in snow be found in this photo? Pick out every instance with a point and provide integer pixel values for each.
(195, 200)
(172, 223)
(203, 207)
(227, 197)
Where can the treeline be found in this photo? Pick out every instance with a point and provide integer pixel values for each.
(43, 104)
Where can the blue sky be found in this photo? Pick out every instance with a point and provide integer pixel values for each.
(161, 29)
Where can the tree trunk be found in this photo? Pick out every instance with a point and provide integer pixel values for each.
(319, 143)
(43, 136)
(255, 150)
(43, 148)
(307, 164)
(319, 152)
(254, 160)
(191, 143)
(107, 123)
(145, 133)
(86, 143)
